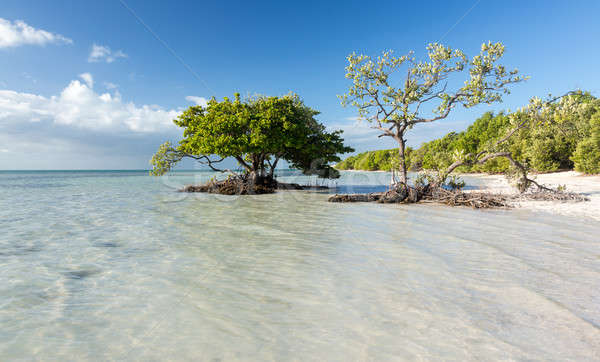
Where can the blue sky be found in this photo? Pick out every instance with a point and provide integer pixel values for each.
(84, 85)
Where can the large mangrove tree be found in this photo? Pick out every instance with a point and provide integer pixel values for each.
(258, 133)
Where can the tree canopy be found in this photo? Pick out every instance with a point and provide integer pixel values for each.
(257, 132)
(429, 91)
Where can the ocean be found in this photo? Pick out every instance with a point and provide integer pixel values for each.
(118, 265)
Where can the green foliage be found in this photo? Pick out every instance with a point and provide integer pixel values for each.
(164, 159)
(423, 96)
(441, 153)
(381, 160)
(587, 153)
(438, 153)
(318, 151)
(426, 79)
(258, 133)
(424, 179)
(559, 136)
(455, 182)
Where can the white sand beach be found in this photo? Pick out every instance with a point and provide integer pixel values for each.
(574, 182)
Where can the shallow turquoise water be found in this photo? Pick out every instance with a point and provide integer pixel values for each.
(119, 266)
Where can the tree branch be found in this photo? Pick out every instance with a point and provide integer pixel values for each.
(241, 161)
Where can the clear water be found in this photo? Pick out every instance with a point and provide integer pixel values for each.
(119, 266)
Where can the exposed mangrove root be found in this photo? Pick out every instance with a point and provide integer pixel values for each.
(477, 200)
(233, 186)
(295, 186)
(355, 197)
(440, 195)
(245, 185)
(552, 195)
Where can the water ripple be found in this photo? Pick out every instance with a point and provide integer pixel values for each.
(119, 266)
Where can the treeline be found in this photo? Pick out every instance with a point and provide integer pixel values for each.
(566, 137)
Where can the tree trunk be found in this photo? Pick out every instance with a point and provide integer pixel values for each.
(241, 161)
(402, 163)
(272, 171)
(255, 172)
(253, 177)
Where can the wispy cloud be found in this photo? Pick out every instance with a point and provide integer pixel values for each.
(29, 77)
(356, 118)
(110, 86)
(17, 33)
(102, 53)
(200, 101)
(88, 79)
(360, 135)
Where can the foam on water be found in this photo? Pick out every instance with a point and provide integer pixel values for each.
(119, 266)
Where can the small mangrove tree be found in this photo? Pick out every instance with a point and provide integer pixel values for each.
(431, 89)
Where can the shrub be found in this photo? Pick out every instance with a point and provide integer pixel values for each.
(587, 153)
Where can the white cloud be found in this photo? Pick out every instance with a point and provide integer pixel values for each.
(356, 118)
(101, 53)
(17, 33)
(200, 101)
(356, 133)
(79, 106)
(88, 79)
(4, 150)
(109, 85)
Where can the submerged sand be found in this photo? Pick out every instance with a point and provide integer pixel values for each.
(574, 182)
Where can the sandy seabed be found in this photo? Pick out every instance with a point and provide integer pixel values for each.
(574, 182)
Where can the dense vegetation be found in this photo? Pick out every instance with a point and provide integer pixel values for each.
(566, 137)
(381, 160)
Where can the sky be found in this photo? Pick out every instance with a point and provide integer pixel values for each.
(96, 84)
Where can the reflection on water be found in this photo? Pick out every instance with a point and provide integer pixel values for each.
(122, 267)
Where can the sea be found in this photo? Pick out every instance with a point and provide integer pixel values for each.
(119, 265)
